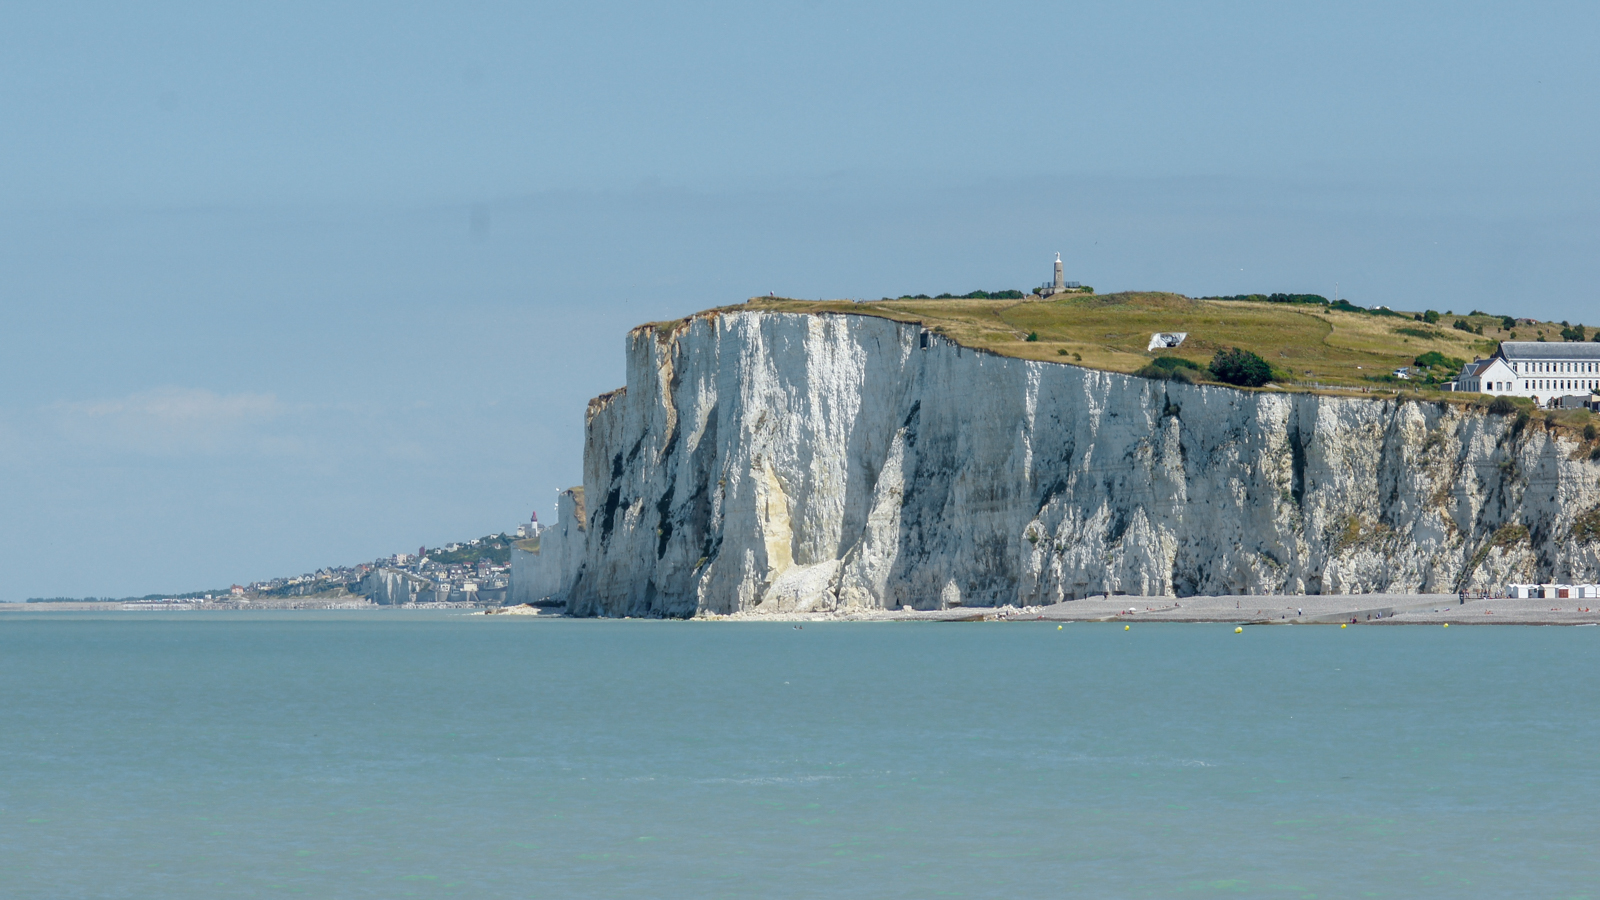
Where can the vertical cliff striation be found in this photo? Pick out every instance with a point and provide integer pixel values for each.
(394, 587)
(543, 573)
(789, 462)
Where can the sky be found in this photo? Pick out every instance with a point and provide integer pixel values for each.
(295, 285)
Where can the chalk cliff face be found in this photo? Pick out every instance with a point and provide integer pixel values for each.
(788, 462)
(392, 587)
(545, 574)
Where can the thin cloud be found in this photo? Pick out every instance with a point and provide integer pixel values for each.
(169, 421)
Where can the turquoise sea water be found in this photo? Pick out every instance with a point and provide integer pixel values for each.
(424, 755)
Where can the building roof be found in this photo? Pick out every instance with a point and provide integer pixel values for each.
(1550, 350)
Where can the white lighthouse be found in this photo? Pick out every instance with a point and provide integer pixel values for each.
(1061, 278)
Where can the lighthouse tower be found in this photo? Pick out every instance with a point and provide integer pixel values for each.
(1061, 279)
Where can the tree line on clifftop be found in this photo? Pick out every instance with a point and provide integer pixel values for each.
(973, 295)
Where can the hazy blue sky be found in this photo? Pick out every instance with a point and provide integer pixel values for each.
(300, 285)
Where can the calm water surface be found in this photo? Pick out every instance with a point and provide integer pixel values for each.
(426, 755)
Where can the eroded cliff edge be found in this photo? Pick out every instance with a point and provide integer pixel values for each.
(774, 461)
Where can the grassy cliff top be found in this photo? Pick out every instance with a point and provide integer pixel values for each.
(1309, 345)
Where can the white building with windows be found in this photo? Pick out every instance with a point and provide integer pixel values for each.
(1543, 371)
(1487, 376)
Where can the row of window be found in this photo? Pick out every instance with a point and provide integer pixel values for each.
(1559, 385)
(1547, 384)
(1556, 367)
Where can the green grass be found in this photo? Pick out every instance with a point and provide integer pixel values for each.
(495, 547)
(1586, 527)
(1306, 344)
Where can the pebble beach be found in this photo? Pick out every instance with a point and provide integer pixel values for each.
(1336, 609)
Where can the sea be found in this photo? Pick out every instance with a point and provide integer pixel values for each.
(419, 754)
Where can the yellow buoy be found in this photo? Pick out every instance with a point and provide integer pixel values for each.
(1238, 629)
(1058, 627)
(1342, 625)
(1447, 624)
(1126, 627)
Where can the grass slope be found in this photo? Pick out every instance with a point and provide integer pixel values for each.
(1309, 346)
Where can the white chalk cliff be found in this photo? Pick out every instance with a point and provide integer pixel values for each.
(393, 587)
(787, 462)
(546, 573)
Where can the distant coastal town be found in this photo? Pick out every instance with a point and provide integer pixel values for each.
(466, 575)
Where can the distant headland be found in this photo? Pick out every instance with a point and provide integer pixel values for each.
(925, 454)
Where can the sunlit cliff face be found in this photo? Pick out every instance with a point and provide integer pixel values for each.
(779, 462)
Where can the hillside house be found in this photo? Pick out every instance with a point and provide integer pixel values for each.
(1487, 376)
(1543, 371)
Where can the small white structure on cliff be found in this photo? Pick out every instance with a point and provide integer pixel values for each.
(1542, 371)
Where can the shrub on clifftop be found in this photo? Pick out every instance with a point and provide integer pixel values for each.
(1173, 368)
(1502, 406)
(1240, 367)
